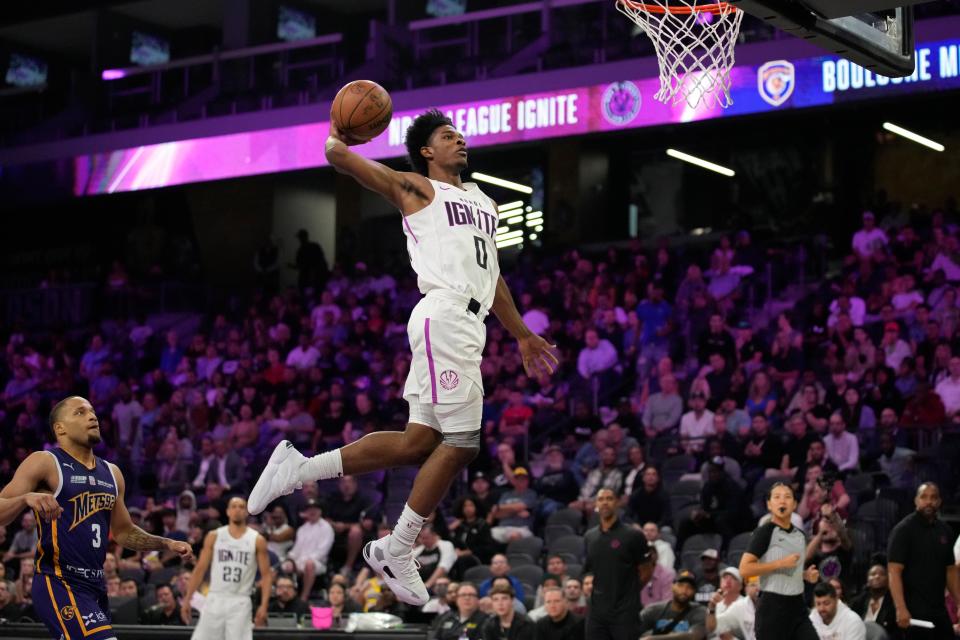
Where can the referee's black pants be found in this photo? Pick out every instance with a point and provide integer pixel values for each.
(620, 627)
(783, 618)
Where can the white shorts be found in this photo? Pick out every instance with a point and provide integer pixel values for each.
(301, 563)
(444, 387)
(225, 617)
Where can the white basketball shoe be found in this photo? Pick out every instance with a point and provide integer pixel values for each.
(398, 572)
(280, 477)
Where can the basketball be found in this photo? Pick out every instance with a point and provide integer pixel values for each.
(362, 109)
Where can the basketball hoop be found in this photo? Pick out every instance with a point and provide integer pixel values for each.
(694, 41)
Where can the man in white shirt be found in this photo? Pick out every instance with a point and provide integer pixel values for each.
(854, 306)
(949, 388)
(731, 584)
(665, 555)
(832, 619)
(536, 317)
(435, 555)
(842, 446)
(894, 349)
(738, 617)
(304, 355)
(312, 546)
(597, 355)
(868, 239)
(696, 425)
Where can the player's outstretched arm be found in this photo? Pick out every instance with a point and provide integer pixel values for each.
(266, 582)
(130, 536)
(407, 191)
(537, 354)
(203, 564)
(39, 469)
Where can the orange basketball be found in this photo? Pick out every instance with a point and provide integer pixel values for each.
(362, 109)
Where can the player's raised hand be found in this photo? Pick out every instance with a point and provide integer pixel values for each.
(182, 548)
(345, 138)
(44, 504)
(538, 356)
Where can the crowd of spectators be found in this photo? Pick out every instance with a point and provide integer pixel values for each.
(671, 393)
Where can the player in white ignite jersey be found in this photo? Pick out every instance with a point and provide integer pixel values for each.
(232, 554)
(450, 228)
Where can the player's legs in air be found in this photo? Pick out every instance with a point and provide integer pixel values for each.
(442, 437)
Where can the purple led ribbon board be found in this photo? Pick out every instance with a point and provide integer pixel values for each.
(628, 104)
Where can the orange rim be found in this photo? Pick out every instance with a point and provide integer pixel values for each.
(685, 10)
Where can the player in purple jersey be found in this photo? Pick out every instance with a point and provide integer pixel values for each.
(78, 502)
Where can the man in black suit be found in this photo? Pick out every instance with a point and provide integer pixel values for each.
(875, 602)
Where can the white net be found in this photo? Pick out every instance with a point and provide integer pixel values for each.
(694, 41)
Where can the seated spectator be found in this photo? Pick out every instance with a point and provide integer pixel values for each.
(223, 466)
(438, 603)
(796, 448)
(304, 355)
(559, 623)
(557, 485)
(113, 586)
(868, 240)
(503, 582)
(832, 618)
(167, 610)
(286, 600)
(465, 621)
(344, 511)
(338, 600)
(482, 493)
(500, 568)
(470, 535)
(857, 415)
(822, 487)
(660, 585)
(696, 425)
(830, 548)
(388, 603)
(618, 439)
(435, 555)
(680, 614)
(716, 339)
(311, 549)
(729, 593)
(896, 462)
(738, 420)
(761, 398)
(663, 409)
(721, 506)
(278, 532)
(649, 501)
(636, 463)
(763, 450)
(739, 616)
(549, 581)
(708, 575)
(893, 348)
(843, 448)
(9, 609)
(515, 510)
(588, 455)
(665, 555)
(949, 390)
(515, 417)
(597, 358)
(573, 592)
(606, 476)
(875, 604)
(506, 623)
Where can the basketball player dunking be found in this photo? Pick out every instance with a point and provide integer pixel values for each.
(450, 228)
(78, 500)
(232, 553)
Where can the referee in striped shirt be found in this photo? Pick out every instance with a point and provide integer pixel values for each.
(776, 553)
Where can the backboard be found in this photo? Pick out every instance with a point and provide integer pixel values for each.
(878, 38)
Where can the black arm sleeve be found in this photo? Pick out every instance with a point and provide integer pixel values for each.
(760, 540)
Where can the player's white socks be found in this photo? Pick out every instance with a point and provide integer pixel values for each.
(405, 534)
(322, 467)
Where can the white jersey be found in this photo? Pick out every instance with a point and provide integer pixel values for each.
(234, 564)
(451, 243)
